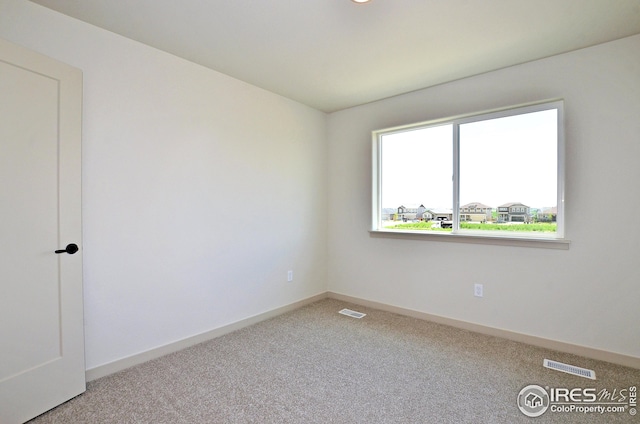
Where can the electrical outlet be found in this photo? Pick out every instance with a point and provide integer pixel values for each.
(477, 290)
(289, 276)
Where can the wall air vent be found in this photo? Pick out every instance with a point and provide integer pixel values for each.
(351, 313)
(569, 369)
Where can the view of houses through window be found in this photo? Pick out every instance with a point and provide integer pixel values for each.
(490, 172)
(473, 213)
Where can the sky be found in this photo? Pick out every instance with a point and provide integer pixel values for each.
(503, 160)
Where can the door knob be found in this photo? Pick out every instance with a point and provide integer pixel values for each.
(70, 249)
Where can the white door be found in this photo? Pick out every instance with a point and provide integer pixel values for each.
(41, 316)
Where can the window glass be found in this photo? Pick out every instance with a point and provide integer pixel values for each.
(497, 173)
(511, 161)
(417, 170)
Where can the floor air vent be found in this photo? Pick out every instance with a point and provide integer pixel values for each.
(351, 313)
(569, 369)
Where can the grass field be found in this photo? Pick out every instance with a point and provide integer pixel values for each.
(542, 227)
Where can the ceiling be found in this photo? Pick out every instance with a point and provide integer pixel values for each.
(335, 54)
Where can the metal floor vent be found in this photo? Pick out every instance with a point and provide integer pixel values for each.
(570, 369)
(351, 313)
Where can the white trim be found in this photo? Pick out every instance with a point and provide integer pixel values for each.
(124, 363)
(139, 358)
(376, 201)
(561, 172)
(455, 213)
(470, 117)
(475, 238)
(587, 352)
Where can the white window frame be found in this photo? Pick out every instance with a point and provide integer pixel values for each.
(556, 240)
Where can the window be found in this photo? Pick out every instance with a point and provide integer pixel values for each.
(504, 169)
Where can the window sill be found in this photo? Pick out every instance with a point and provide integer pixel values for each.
(539, 242)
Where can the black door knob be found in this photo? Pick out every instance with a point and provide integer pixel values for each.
(70, 249)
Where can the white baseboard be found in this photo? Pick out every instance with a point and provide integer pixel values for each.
(588, 352)
(124, 363)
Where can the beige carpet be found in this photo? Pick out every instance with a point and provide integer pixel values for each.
(314, 365)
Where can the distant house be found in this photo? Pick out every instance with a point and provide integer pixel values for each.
(442, 214)
(548, 214)
(475, 212)
(413, 213)
(388, 214)
(514, 212)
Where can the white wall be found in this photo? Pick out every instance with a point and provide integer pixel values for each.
(199, 191)
(588, 295)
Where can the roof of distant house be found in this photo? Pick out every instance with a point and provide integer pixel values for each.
(508, 205)
(476, 205)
